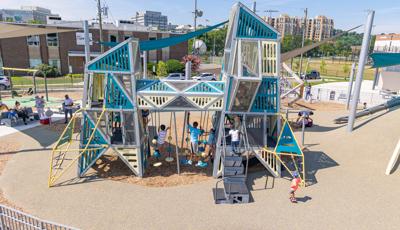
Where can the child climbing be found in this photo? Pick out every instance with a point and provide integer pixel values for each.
(235, 138)
(294, 186)
(162, 134)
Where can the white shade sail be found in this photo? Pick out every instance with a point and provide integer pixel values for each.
(11, 30)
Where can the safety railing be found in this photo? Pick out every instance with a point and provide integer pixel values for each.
(270, 159)
(11, 219)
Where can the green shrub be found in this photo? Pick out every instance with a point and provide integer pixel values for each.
(174, 66)
(162, 69)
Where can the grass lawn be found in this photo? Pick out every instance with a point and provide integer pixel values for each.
(335, 70)
(28, 80)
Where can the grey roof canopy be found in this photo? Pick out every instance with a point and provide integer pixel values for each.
(11, 30)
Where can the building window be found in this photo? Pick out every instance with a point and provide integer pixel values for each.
(33, 40)
(34, 62)
(55, 63)
(52, 39)
(113, 38)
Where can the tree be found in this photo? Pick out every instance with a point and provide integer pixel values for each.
(162, 69)
(48, 70)
(195, 60)
(174, 66)
(217, 35)
(322, 67)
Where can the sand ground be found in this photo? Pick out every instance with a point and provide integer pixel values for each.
(348, 188)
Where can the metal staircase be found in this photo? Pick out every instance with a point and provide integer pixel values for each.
(234, 173)
(130, 157)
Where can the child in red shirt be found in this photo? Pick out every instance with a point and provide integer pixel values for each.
(294, 186)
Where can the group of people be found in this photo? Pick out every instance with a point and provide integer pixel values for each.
(16, 112)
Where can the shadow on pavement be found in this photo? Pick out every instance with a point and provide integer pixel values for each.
(314, 161)
(303, 199)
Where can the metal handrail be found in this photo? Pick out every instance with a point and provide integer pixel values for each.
(13, 219)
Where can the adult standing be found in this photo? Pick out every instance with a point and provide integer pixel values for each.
(68, 106)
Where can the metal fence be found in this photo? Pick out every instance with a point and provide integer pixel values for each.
(11, 219)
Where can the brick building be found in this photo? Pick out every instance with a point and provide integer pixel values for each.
(66, 50)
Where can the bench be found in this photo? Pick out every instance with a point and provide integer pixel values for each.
(12, 122)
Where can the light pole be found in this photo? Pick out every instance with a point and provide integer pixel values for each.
(303, 38)
(197, 13)
(99, 12)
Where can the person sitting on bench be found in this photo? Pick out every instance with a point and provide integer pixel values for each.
(21, 112)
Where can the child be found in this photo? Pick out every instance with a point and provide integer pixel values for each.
(162, 133)
(194, 135)
(211, 143)
(235, 139)
(294, 186)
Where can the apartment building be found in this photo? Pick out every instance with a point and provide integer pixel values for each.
(152, 19)
(66, 50)
(26, 14)
(317, 28)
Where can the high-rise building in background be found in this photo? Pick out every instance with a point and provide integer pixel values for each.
(152, 18)
(317, 28)
(26, 14)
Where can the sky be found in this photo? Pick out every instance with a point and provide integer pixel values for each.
(346, 13)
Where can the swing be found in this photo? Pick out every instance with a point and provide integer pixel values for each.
(169, 148)
(156, 152)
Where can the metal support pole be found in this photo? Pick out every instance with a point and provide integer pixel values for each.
(376, 78)
(87, 40)
(144, 64)
(176, 146)
(303, 127)
(350, 88)
(254, 6)
(393, 159)
(34, 83)
(87, 59)
(303, 38)
(45, 86)
(99, 13)
(360, 71)
(188, 70)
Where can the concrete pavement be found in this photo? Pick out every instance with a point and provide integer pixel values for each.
(349, 189)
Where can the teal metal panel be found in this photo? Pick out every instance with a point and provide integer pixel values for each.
(115, 97)
(266, 99)
(87, 158)
(115, 60)
(252, 27)
(157, 86)
(202, 88)
(287, 143)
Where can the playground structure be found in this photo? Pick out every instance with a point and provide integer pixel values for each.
(247, 96)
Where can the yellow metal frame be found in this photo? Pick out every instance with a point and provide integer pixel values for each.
(277, 155)
(20, 69)
(53, 177)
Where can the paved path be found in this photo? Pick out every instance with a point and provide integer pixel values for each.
(349, 191)
(4, 130)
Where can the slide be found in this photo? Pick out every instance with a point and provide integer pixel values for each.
(387, 105)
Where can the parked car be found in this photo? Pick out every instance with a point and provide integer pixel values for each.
(176, 76)
(311, 76)
(205, 77)
(4, 83)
